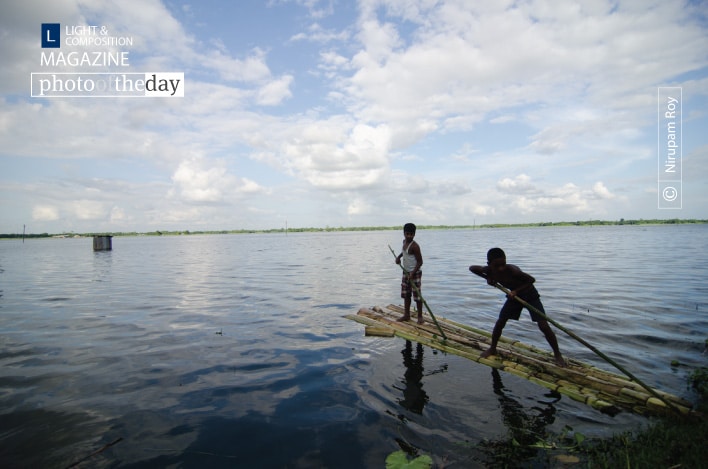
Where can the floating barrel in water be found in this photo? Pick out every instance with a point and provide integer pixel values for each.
(102, 243)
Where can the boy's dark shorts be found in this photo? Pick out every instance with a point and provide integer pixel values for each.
(512, 309)
(406, 288)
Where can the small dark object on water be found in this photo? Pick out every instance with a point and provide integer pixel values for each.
(105, 447)
(102, 243)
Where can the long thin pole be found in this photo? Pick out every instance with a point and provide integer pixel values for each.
(588, 345)
(420, 295)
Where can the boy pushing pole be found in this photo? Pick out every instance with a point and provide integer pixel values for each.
(520, 284)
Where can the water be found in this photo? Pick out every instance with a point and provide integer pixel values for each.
(231, 350)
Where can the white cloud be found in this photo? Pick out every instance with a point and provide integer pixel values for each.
(202, 180)
(251, 187)
(567, 198)
(316, 33)
(461, 109)
(252, 69)
(470, 60)
(275, 92)
(89, 209)
(195, 180)
(523, 196)
(118, 215)
(359, 206)
(601, 191)
(45, 213)
(521, 184)
(333, 155)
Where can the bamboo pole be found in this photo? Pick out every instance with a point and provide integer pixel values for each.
(588, 345)
(419, 295)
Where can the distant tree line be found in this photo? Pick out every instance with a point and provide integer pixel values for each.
(621, 221)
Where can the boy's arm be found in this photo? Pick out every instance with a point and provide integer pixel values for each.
(522, 277)
(482, 271)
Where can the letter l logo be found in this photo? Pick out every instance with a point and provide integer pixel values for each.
(51, 35)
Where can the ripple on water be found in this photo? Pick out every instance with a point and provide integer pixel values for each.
(225, 344)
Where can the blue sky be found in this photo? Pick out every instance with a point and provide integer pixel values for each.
(333, 113)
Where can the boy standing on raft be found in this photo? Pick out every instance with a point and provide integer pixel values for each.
(520, 284)
(411, 260)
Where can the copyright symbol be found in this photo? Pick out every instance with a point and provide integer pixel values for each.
(669, 194)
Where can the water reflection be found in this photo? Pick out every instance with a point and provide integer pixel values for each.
(102, 263)
(414, 396)
(126, 339)
(525, 427)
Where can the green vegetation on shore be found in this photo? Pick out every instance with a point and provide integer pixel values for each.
(672, 221)
(668, 442)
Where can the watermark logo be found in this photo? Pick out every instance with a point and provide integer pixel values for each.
(51, 35)
(669, 147)
(94, 47)
(107, 85)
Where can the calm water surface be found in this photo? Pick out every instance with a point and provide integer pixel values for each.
(232, 351)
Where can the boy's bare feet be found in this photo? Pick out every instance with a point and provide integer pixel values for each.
(487, 353)
(421, 320)
(560, 361)
(404, 318)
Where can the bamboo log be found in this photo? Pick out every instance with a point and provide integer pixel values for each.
(379, 331)
(602, 405)
(572, 393)
(657, 405)
(597, 388)
(578, 371)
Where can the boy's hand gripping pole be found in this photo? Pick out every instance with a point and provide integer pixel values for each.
(415, 287)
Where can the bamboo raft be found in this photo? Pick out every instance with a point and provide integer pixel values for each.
(607, 392)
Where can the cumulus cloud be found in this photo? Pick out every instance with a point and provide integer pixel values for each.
(602, 192)
(88, 209)
(45, 213)
(479, 109)
(333, 155)
(568, 198)
(467, 61)
(203, 180)
(195, 183)
(520, 184)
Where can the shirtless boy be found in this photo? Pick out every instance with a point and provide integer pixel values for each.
(520, 284)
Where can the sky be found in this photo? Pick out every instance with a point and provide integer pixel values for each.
(332, 113)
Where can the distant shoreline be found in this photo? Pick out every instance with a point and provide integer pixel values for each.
(673, 221)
